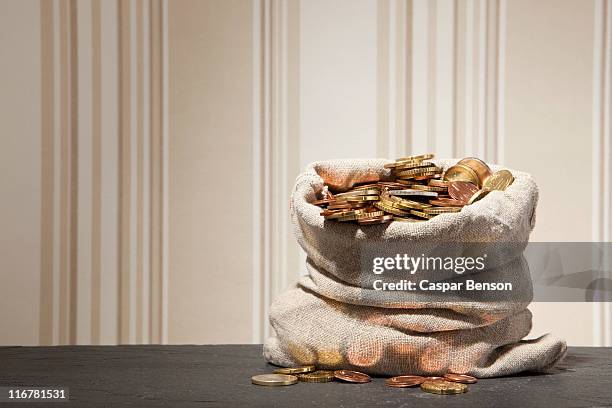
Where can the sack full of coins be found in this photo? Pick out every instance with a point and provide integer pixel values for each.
(414, 266)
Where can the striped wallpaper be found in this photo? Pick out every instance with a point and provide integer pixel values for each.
(145, 107)
(103, 171)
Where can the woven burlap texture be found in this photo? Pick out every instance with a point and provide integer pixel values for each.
(333, 318)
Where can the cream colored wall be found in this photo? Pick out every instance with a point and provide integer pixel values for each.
(156, 143)
(549, 120)
(211, 154)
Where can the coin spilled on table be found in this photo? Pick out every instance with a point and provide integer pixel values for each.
(417, 191)
(449, 384)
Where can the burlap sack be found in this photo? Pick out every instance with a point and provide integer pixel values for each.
(333, 318)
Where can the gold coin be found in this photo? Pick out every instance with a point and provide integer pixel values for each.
(353, 199)
(461, 172)
(443, 387)
(402, 203)
(319, 376)
(376, 220)
(407, 219)
(359, 192)
(421, 176)
(407, 183)
(274, 379)
(442, 210)
(460, 378)
(295, 370)
(390, 209)
(372, 214)
(477, 196)
(366, 187)
(438, 183)
(500, 180)
(344, 214)
(429, 176)
(421, 157)
(422, 214)
(407, 165)
(478, 166)
(419, 171)
(447, 202)
(423, 187)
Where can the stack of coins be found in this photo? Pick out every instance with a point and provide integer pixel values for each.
(309, 374)
(418, 191)
(448, 384)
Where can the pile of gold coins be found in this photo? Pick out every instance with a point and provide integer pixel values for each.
(419, 191)
(448, 384)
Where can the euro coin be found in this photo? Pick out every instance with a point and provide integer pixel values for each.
(355, 199)
(500, 180)
(461, 190)
(421, 157)
(390, 209)
(441, 210)
(420, 171)
(322, 201)
(272, 380)
(352, 376)
(404, 204)
(364, 215)
(421, 214)
(295, 370)
(391, 184)
(477, 196)
(447, 202)
(460, 378)
(319, 376)
(438, 183)
(482, 170)
(407, 219)
(413, 192)
(460, 172)
(443, 387)
(359, 192)
(376, 220)
(404, 381)
(424, 187)
(345, 214)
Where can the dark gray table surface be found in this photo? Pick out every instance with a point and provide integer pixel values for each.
(220, 376)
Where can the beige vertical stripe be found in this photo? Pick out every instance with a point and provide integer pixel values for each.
(58, 176)
(139, 172)
(431, 67)
(109, 295)
(125, 113)
(382, 67)
(83, 163)
(409, 60)
(47, 173)
(459, 91)
(146, 165)
(96, 162)
(257, 171)
(491, 79)
(74, 178)
(399, 72)
(477, 149)
(293, 119)
(64, 292)
(155, 252)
